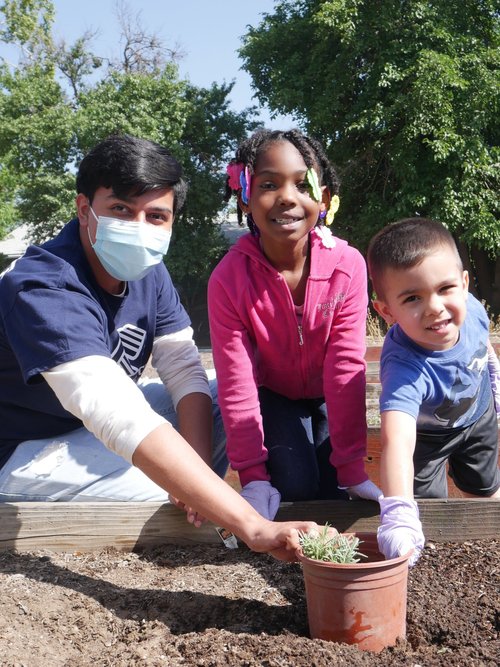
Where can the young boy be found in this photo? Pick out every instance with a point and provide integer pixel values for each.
(437, 404)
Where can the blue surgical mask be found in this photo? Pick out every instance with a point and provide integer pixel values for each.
(129, 249)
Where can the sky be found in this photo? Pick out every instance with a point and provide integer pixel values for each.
(207, 31)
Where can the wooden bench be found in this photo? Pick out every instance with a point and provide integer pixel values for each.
(85, 527)
(373, 372)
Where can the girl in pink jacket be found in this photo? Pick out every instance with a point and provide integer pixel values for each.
(287, 309)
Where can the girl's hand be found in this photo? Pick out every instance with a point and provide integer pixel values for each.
(367, 490)
(263, 497)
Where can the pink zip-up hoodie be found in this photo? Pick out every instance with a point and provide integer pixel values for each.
(257, 340)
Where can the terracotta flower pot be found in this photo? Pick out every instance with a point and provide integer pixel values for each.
(362, 603)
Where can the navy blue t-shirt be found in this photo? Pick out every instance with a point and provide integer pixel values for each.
(52, 311)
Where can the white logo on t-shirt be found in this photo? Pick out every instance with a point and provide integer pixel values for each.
(129, 348)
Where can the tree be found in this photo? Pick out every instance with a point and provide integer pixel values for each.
(142, 50)
(75, 62)
(24, 24)
(405, 95)
(51, 115)
(27, 24)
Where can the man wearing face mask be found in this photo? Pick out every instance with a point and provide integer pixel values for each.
(80, 316)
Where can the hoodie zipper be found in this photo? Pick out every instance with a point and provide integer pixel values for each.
(301, 339)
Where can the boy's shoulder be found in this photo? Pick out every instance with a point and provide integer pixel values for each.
(476, 310)
(397, 344)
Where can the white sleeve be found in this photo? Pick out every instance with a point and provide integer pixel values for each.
(97, 391)
(177, 362)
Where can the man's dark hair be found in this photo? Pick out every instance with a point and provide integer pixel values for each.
(404, 244)
(130, 166)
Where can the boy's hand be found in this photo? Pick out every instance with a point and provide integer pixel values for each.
(367, 490)
(400, 528)
(263, 497)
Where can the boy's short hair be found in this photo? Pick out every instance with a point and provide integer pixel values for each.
(404, 244)
(130, 166)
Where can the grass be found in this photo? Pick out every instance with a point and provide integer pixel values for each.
(494, 322)
(376, 328)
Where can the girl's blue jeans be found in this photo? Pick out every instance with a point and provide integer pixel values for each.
(297, 439)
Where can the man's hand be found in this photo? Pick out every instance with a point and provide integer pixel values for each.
(400, 528)
(280, 539)
(263, 497)
(193, 517)
(367, 490)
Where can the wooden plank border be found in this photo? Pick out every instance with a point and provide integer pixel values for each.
(128, 526)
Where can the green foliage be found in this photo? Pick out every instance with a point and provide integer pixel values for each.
(47, 203)
(26, 22)
(405, 94)
(36, 121)
(4, 261)
(7, 205)
(336, 548)
(153, 107)
(194, 252)
(76, 63)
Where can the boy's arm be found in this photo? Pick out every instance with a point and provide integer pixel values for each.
(397, 439)
(400, 527)
(176, 359)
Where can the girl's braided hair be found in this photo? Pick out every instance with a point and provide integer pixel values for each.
(311, 150)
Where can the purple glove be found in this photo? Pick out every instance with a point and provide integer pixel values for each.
(494, 371)
(400, 528)
(263, 497)
(367, 490)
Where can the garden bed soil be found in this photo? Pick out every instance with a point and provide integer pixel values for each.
(208, 606)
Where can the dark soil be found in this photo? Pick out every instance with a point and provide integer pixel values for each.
(208, 606)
